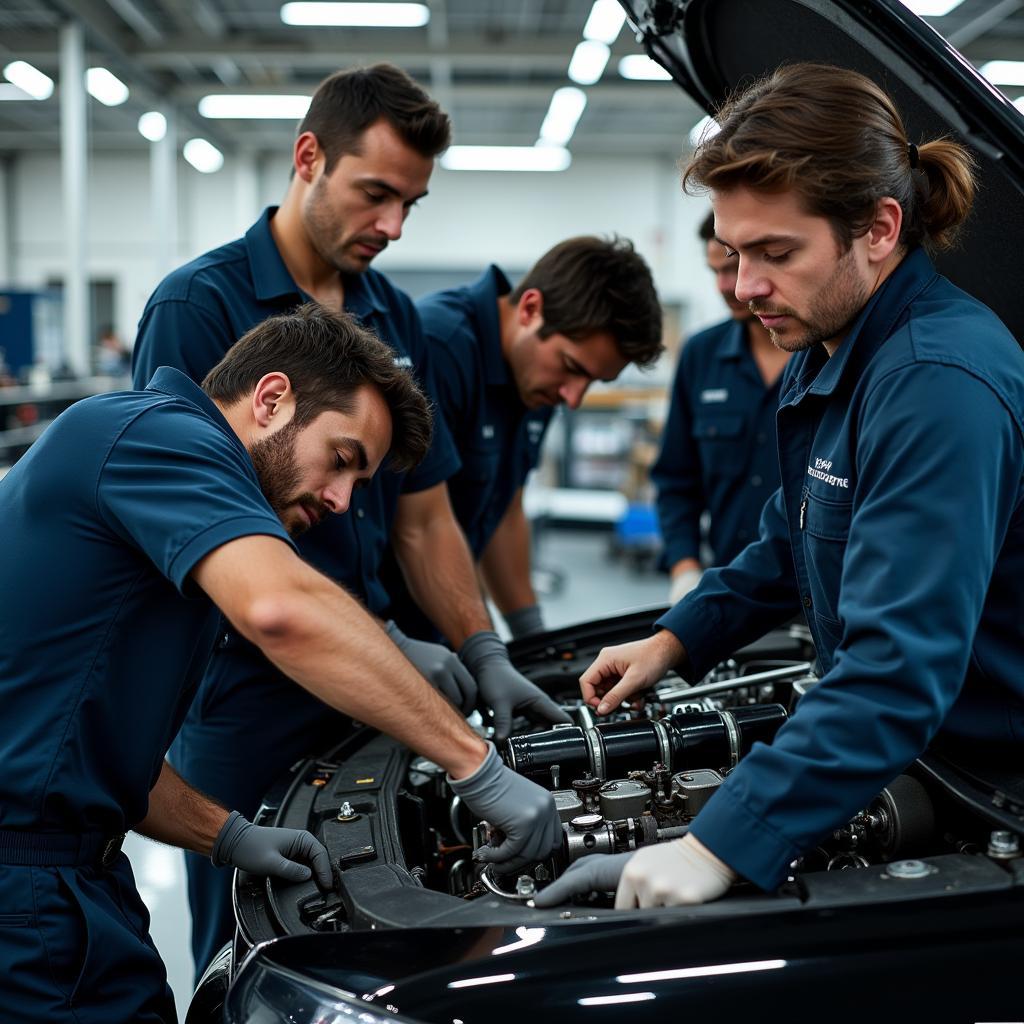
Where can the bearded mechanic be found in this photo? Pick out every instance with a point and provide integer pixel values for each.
(148, 511)
(899, 525)
(362, 159)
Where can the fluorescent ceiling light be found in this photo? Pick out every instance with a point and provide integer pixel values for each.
(931, 8)
(12, 92)
(29, 79)
(153, 125)
(105, 87)
(706, 128)
(1004, 72)
(506, 158)
(356, 15)
(289, 108)
(632, 997)
(588, 62)
(605, 21)
(203, 156)
(638, 67)
(560, 121)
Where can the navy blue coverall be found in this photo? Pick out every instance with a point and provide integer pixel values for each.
(249, 722)
(498, 439)
(899, 530)
(718, 450)
(103, 640)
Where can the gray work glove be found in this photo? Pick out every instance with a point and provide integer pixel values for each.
(439, 666)
(525, 621)
(524, 812)
(503, 689)
(286, 853)
(600, 872)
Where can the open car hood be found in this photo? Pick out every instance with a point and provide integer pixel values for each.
(712, 47)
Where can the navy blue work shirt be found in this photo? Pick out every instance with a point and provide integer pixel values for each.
(201, 309)
(718, 450)
(899, 530)
(103, 638)
(498, 438)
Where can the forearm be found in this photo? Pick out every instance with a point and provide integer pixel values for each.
(438, 566)
(505, 563)
(180, 815)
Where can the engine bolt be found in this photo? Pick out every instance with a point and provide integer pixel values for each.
(1003, 845)
(909, 869)
(525, 886)
(347, 812)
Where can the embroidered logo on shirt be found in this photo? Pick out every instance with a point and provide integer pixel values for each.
(820, 471)
(487, 431)
(535, 428)
(404, 362)
(709, 395)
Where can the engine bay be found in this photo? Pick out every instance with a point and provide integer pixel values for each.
(402, 842)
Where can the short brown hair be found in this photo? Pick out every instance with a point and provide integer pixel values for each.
(590, 285)
(327, 357)
(837, 139)
(348, 102)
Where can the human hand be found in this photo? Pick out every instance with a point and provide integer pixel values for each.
(524, 812)
(288, 853)
(502, 688)
(677, 873)
(439, 666)
(619, 672)
(598, 872)
(682, 583)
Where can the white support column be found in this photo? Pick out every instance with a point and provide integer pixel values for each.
(247, 190)
(6, 224)
(73, 174)
(163, 180)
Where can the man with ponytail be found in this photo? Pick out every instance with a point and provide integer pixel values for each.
(899, 527)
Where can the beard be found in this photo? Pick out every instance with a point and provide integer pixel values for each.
(831, 311)
(278, 473)
(323, 228)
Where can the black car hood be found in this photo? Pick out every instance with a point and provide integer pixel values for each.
(711, 47)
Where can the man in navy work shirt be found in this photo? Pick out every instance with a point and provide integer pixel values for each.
(146, 511)
(503, 358)
(362, 159)
(718, 451)
(899, 524)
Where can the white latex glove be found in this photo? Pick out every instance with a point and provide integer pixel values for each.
(682, 584)
(673, 874)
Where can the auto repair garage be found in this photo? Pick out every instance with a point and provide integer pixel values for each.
(574, 565)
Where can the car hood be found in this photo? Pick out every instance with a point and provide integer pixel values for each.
(711, 47)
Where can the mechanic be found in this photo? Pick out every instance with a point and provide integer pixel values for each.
(127, 522)
(899, 524)
(718, 446)
(363, 157)
(503, 359)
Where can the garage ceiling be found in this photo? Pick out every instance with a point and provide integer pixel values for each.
(494, 65)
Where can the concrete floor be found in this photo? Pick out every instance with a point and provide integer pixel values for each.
(592, 585)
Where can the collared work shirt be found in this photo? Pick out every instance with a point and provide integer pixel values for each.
(718, 450)
(498, 438)
(899, 530)
(103, 638)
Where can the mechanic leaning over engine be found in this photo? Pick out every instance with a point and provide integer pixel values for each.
(363, 157)
(129, 523)
(899, 525)
(718, 446)
(502, 360)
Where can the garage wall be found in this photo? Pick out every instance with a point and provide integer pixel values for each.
(468, 221)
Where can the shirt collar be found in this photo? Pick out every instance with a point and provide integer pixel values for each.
(876, 322)
(484, 293)
(273, 281)
(734, 344)
(169, 381)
